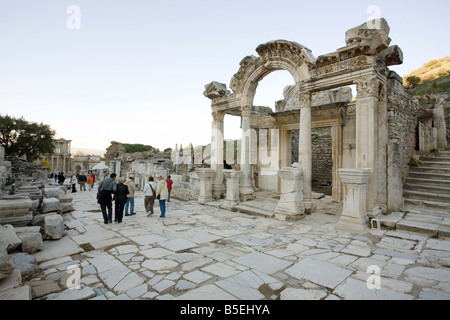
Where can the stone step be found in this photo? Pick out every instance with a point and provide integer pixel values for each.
(435, 164)
(434, 159)
(431, 188)
(428, 175)
(255, 211)
(439, 170)
(427, 182)
(429, 196)
(409, 203)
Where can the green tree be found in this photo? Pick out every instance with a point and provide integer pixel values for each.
(412, 81)
(20, 137)
(137, 147)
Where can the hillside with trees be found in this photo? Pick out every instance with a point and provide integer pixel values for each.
(432, 77)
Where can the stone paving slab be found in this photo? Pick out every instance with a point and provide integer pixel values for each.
(199, 252)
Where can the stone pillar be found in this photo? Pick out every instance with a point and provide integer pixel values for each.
(394, 180)
(232, 178)
(206, 180)
(354, 213)
(291, 206)
(439, 121)
(367, 134)
(246, 188)
(305, 148)
(218, 188)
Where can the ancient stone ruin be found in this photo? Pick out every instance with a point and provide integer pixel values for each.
(31, 209)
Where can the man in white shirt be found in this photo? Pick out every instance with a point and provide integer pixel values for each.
(150, 195)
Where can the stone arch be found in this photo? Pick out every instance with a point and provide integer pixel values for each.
(273, 56)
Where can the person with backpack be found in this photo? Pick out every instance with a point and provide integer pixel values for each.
(150, 195)
(104, 195)
(120, 198)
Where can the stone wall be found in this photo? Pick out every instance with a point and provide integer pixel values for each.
(322, 159)
(402, 121)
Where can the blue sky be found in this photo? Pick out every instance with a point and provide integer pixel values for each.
(135, 71)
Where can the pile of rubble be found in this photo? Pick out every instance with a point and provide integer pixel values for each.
(30, 216)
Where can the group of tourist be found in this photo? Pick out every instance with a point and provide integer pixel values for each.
(81, 179)
(122, 193)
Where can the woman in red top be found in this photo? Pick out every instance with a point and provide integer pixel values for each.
(169, 186)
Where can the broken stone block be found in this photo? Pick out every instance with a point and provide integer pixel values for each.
(54, 227)
(14, 280)
(9, 238)
(27, 265)
(31, 241)
(51, 205)
(7, 264)
(14, 206)
(53, 192)
(21, 293)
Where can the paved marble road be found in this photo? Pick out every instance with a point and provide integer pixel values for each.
(201, 252)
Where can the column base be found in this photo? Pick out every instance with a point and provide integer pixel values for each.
(310, 207)
(203, 200)
(246, 193)
(353, 225)
(290, 211)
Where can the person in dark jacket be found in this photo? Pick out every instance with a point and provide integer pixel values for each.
(105, 190)
(61, 178)
(121, 199)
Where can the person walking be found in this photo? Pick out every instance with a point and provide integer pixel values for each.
(90, 182)
(120, 198)
(130, 197)
(61, 178)
(162, 194)
(73, 182)
(82, 179)
(105, 190)
(150, 195)
(93, 179)
(169, 186)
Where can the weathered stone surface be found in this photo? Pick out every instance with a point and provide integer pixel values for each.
(51, 205)
(21, 293)
(54, 227)
(320, 272)
(15, 207)
(14, 280)
(302, 294)
(8, 238)
(7, 264)
(27, 265)
(352, 289)
(31, 241)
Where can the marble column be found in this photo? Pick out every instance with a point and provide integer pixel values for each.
(232, 177)
(217, 139)
(354, 217)
(206, 180)
(246, 188)
(367, 134)
(290, 206)
(305, 149)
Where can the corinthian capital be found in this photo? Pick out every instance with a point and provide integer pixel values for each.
(305, 99)
(246, 111)
(218, 116)
(367, 87)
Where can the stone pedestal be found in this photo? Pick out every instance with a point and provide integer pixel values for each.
(232, 177)
(291, 206)
(206, 178)
(354, 217)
